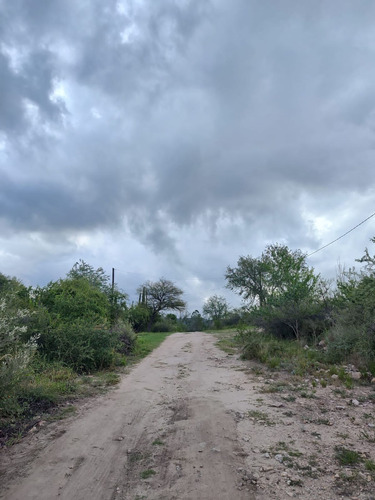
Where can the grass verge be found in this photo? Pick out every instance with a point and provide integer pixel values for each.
(146, 342)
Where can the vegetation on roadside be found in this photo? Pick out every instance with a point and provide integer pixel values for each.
(65, 339)
(295, 320)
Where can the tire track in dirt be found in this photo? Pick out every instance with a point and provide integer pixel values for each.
(165, 433)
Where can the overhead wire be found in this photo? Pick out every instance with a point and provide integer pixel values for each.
(339, 238)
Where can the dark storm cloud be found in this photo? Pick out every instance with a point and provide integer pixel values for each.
(176, 111)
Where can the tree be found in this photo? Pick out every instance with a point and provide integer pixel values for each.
(279, 271)
(216, 308)
(74, 298)
(284, 291)
(96, 277)
(248, 279)
(100, 281)
(161, 295)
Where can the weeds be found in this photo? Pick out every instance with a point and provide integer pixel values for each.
(158, 442)
(260, 417)
(136, 456)
(344, 456)
(370, 438)
(370, 465)
(65, 412)
(147, 473)
(289, 398)
(342, 435)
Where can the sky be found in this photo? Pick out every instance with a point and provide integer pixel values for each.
(169, 138)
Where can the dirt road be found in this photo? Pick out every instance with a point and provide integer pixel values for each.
(165, 433)
(191, 422)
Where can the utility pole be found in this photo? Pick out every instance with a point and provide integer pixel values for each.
(113, 295)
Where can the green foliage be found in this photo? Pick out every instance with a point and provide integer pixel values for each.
(248, 279)
(95, 277)
(146, 342)
(126, 336)
(278, 353)
(344, 456)
(161, 296)
(194, 322)
(278, 272)
(139, 317)
(83, 345)
(167, 324)
(352, 336)
(74, 298)
(100, 281)
(216, 308)
(15, 355)
(41, 386)
(147, 473)
(286, 294)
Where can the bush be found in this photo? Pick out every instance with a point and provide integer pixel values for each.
(274, 352)
(75, 298)
(165, 324)
(352, 337)
(126, 336)
(285, 319)
(351, 343)
(82, 345)
(139, 317)
(15, 355)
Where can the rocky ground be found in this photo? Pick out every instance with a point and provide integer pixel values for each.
(306, 441)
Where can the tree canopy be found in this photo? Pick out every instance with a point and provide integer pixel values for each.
(279, 271)
(96, 277)
(216, 308)
(162, 295)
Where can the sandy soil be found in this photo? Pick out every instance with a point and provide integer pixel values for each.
(191, 422)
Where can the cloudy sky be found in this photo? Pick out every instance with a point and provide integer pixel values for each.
(169, 137)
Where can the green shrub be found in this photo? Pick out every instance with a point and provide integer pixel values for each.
(73, 299)
(165, 324)
(348, 342)
(82, 345)
(15, 355)
(139, 317)
(344, 456)
(126, 335)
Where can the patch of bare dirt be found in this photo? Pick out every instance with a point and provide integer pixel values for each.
(191, 422)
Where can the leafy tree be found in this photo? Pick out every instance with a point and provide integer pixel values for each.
(277, 272)
(248, 279)
(216, 308)
(162, 295)
(74, 298)
(285, 292)
(76, 330)
(101, 281)
(96, 277)
(193, 322)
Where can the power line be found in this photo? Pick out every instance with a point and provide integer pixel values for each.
(339, 238)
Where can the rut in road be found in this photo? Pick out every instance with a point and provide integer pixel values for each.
(167, 432)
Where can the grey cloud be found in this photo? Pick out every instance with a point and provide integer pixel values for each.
(237, 108)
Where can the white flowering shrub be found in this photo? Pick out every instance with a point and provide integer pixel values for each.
(14, 354)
